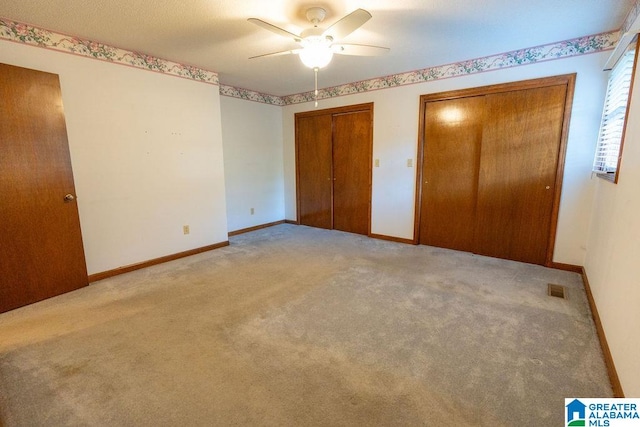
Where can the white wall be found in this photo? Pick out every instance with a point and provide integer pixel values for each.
(146, 151)
(252, 139)
(613, 253)
(395, 140)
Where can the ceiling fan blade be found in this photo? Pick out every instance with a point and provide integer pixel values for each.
(277, 30)
(284, 52)
(358, 49)
(348, 24)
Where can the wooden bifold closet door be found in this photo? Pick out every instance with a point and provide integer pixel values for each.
(314, 151)
(492, 161)
(450, 170)
(333, 162)
(518, 164)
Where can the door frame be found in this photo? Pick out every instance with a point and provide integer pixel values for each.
(332, 111)
(567, 80)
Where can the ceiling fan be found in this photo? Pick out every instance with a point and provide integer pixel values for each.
(318, 45)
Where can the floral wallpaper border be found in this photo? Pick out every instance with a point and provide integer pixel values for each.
(564, 49)
(28, 34)
(251, 95)
(548, 52)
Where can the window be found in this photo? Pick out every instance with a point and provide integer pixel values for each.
(614, 117)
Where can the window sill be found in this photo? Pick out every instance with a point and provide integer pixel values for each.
(609, 176)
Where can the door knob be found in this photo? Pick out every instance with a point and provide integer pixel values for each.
(69, 198)
(547, 187)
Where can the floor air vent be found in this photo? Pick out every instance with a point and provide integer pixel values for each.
(557, 291)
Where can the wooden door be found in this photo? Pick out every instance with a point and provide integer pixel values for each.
(333, 167)
(314, 164)
(505, 203)
(41, 252)
(452, 138)
(519, 159)
(352, 171)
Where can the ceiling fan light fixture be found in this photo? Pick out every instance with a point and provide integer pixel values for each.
(316, 52)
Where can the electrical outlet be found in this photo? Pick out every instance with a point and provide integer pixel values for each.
(409, 163)
(185, 229)
(377, 163)
(252, 211)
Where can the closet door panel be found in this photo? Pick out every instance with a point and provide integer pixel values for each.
(452, 139)
(352, 138)
(518, 164)
(314, 186)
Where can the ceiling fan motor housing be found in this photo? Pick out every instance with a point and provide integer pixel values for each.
(315, 15)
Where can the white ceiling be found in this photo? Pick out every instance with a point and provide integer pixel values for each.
(215, 34)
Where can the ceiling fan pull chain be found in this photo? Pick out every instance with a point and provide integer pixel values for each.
(315, 71)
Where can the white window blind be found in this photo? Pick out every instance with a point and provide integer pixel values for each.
(614, 114)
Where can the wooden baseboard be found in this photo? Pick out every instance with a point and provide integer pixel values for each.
(392, 239)
(128, 268)
(566, 267)
(608, 359)
(290, 221)
(254, 228)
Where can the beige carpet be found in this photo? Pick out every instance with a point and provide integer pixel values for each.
(293, 326)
